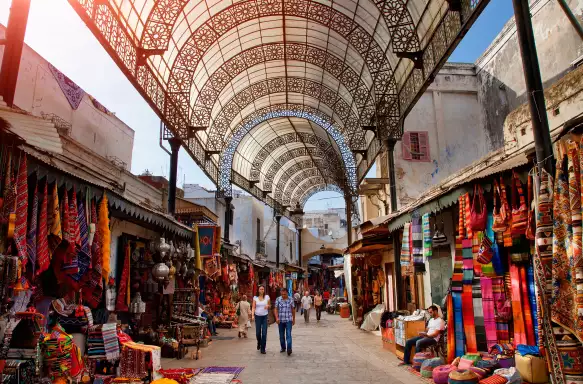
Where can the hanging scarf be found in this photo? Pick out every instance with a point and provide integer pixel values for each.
(564, 307)
(528, 321)
(417, 240)
(21, 210)
(83, 252)
(457, 281)
(42, 245)
(122, 294)
(94, 279)
(468, 279)
(542, 263)
(427, 239)
(405, 249)
(499, 295)
(54, 221)
(489, 312)
(105, 235)
(517, 309)
(533, 302)
(451, 334)
(32, 229)
(74, 217)
(70, 262)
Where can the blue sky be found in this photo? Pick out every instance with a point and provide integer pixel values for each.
(58, 34)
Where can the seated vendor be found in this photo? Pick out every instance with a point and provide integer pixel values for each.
(210, 319)
(435, 328)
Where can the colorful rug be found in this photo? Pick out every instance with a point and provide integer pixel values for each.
(489, 312)
(427, 239)
(213, 378)
(236, 371)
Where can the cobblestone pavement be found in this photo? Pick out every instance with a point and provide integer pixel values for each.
(332, 351)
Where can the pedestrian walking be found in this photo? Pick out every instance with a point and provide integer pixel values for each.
(285, 317)
(297, 300)
(243, 315)
(306, 305)
(326, 296)
(318, 300)
(260, 310)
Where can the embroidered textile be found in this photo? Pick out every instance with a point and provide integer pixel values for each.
(427, 239)
(564, 307)
(21, 209)
(73, 93)
(405, 249)
(32, 229)
(42, 243)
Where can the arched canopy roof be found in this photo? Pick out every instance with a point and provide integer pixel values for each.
(217, 71)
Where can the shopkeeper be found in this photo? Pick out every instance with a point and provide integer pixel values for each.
(435, 328)
(210, 319)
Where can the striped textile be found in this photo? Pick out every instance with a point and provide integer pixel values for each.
(458, 266)
(42, 244)
(479, 314)
(533, 302)
(70, 263)
(427, 239)
(54, 221)
(21, 210)
(517, 314)
(83, 252)
(488, 269)
(489, 312)
(499, 295)
(451, 329)
(465, 233)
(110, 341)
(32, 230)
(74, 217)
(405, 248)
(459, 324)
(528, 321)
(544, 236)
(94, 279)
(417, 240)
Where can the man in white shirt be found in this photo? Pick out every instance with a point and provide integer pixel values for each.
(297, 299)
(435, 328)
(306, 305)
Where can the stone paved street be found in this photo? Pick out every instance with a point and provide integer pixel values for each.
(333, 351)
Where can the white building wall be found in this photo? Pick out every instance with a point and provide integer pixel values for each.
(38, 93)
(245, 230)
(288, 235)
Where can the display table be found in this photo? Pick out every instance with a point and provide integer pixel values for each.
(403, 331)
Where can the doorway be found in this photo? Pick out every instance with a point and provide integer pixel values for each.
(390, 287)
(440, 270)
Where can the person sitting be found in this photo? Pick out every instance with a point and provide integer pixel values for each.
(210, 319)
(435, 328)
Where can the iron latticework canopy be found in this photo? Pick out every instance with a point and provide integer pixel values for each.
(284, 98)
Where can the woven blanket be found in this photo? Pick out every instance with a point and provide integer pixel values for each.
(21, 210)
(468, 299)
(236, 371)
(54, 221)
(83, 253)
(499, 294)
(417, 240)
(533, 302)
(451, 329)
(427, 239)
(526, 310)
(517, 309)
(405, 248)
(489, 312)
(213, 378)
(110, 341)
(32, 229)
(459, 324)
(42, 244)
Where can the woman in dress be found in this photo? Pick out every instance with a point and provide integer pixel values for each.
(244, 312)
(260, 310)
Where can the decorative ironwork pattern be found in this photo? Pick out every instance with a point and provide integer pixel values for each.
(304, 174)
(350, 121)
(279, 141)
(285, 110)
(330, 168)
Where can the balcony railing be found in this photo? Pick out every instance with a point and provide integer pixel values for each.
(260, 247)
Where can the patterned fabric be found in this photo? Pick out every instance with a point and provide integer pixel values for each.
(517, 309)
(285, 309)
(417, 239)
(21, 209)
(32, 229)
(457, 279)
(405, 249)
(94, 279)
(528, 322)
(110, 341)
(544, 242)
(105, 236)
(42, 244)
(533, 302)
(499, 295)
(9, 193)
(83, 253)
(122, 294)
(563, 307)
(427, 240)
(54, 221)
(73, 93)
(489, 312)
(74, 217)
(459, 324)
(451, 329)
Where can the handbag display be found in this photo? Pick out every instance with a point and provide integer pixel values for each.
(530, 221)
(478, 216)
(485, 252)
(520, 211)
(501, 215)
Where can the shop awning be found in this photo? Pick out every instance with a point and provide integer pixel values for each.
(367, 246)
(37, 132)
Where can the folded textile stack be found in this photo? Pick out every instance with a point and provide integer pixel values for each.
(57, 348)
(95, 345)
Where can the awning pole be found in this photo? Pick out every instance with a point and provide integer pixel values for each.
(175, 146)
(278, 220)
(572, 18)
(393, 194)
(534, 86)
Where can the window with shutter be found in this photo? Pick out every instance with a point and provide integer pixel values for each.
(416, 146)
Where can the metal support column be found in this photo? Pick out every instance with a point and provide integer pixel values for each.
(278, 220)
(175, 146)
(534, 86)
(228, 201)
(300, 246)
(349, 220)
(15, 32)
(572, 18)
(393, 195)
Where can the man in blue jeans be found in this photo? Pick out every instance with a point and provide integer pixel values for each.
(285, 317)
(435, 328)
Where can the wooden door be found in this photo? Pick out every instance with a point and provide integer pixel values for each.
(440, 269)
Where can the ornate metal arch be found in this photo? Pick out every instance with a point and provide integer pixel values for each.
(194, 49)
(284, 110)
(351, 121)
(292, 155)
(302, 175)
(311, 191)
(332, 167)
(301, 137)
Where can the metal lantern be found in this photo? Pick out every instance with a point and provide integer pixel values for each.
(160, 271)
(137, 306)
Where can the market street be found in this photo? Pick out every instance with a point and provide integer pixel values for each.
(333, 351)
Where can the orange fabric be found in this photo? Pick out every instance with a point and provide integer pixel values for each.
(526, 310)
(517, 315)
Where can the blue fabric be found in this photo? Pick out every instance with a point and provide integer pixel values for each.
(532, 299)
(285, 329)
(460, 336)
(285, 309)
(201, 284)
(528, 350)
(261, 331)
